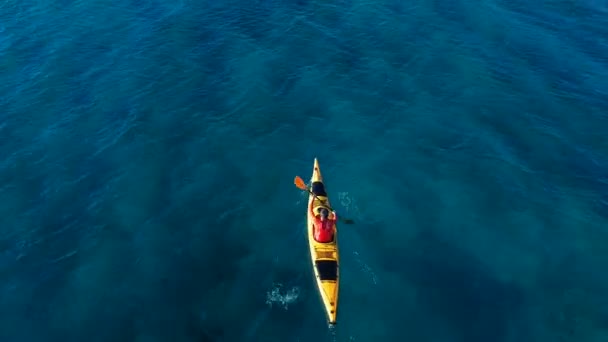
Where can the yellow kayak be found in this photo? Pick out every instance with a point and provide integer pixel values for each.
(324, 256)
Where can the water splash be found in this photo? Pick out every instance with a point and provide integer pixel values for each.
(348, 202)
(332, 332)
(278, 296)
(365, 268)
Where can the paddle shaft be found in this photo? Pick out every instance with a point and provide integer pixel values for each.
(315, 196)
(302, 186)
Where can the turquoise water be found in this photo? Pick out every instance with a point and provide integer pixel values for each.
(149, 150)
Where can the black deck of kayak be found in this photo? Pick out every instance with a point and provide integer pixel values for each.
(328, 269)
(318, 189)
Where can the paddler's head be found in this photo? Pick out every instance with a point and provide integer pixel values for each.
(324, 213)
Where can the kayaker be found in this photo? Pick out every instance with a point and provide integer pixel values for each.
(324, 226)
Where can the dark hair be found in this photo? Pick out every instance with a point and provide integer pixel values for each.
(324, 212)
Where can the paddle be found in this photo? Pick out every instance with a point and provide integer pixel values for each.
(299, 182)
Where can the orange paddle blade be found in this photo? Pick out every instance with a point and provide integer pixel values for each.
(299, 182)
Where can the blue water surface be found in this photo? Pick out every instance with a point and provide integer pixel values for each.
(149, 149)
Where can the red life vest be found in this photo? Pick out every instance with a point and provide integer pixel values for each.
(324, 231)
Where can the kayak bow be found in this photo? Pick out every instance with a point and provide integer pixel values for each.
(324, 256)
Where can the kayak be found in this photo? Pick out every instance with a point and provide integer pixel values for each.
(324, 256)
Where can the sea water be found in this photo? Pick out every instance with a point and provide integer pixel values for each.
(148, 150)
